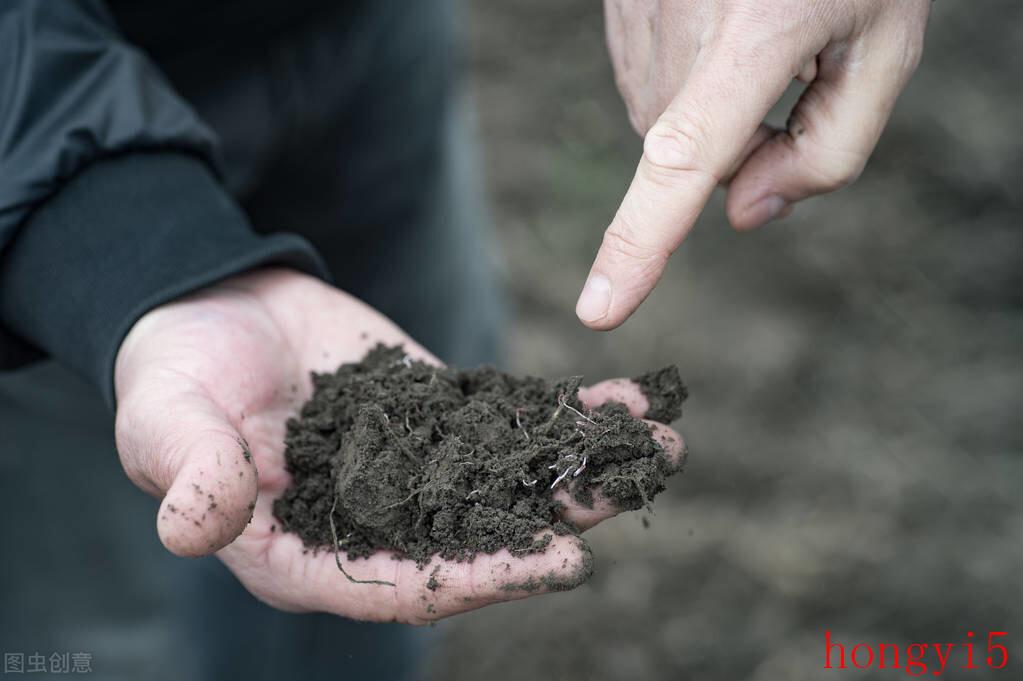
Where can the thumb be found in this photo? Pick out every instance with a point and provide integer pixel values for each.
(179, 445)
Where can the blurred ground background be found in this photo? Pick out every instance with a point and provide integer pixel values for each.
(856, 373)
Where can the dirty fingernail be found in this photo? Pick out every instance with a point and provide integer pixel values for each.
(595, 299)
(769, 208)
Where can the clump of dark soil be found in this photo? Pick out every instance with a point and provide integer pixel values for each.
(392, 453)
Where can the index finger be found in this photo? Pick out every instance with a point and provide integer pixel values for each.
(685, 154)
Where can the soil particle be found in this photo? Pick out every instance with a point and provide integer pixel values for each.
(433, 584)
(246, 452)
(423, 460)
(665, 392)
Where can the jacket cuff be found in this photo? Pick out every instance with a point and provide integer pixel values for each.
(123, 236)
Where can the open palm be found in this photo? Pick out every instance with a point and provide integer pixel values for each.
(204, 387)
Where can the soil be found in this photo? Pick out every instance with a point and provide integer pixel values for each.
(423, 460)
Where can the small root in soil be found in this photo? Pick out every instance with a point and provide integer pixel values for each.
(337, 555)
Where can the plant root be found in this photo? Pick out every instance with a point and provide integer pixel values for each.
(337, 553)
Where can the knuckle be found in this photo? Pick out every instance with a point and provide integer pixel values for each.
(912, 53)
(912, 19)
(623, 241)
(829, 167)
(675, 142)
(836, 169)
(755, 36)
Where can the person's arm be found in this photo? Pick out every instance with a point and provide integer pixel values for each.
(109, 214)
(698, 77)
(109, 200)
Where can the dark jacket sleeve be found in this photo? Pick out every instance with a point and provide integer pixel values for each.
(109, 199)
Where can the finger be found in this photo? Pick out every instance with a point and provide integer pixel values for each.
(180, 446)
(565, 564)
(405, 592)
(620, 390)
(764, 132)
(830, 135)
(808, 72)
(685, 154)
(584, 517)
(629, 43)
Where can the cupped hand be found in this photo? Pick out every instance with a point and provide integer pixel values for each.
(204, 386)
(698, 78)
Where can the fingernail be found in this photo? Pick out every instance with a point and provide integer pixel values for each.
(595, 299)
(769, 208)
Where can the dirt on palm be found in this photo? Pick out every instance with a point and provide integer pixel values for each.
(425, 460)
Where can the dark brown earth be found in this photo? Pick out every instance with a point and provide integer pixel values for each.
(425, 460)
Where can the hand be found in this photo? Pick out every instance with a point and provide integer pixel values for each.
(698, 77)
(204, 386)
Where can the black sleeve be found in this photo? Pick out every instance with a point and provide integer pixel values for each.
(109, 199)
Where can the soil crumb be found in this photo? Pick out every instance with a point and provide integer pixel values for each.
(665, 391)
(423, 460)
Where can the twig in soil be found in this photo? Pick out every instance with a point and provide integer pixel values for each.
(472, 494)
(528, 484)
(557, 412)
(564, 403)
(561, 477)
(578, 469)
(337, 553)
(406, 499)
(518, 421)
